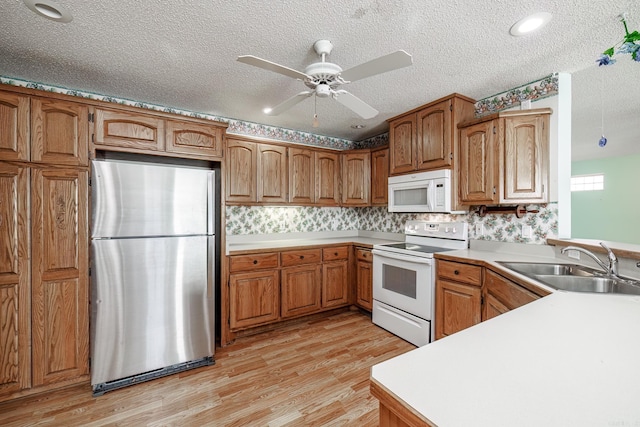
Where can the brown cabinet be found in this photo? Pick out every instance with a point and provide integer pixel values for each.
(59, 132)
(255, 172)
(335, 277)
(425, 138)
(254, 290)
(356, 178)
(301, 292)
(327, 179)
(272, 175)
(60, 292)
(458, 293)
(301, 176)
(364, 278)
(14, 126)
(148, 133)
(504, 158)
(379, 177)
(468, 294)
(15, 284)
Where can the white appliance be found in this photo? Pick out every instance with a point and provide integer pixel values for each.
(421, 192)
(404, 278)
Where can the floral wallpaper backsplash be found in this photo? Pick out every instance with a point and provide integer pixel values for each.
(243, 220)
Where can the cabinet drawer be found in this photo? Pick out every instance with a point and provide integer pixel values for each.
(252, 262)
(364, 255)
(307, 256)
(466, 273)
(508, 293)
(332, 254)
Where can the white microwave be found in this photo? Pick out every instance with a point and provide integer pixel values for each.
(421, 192)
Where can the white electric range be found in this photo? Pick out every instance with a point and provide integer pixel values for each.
(404, 278)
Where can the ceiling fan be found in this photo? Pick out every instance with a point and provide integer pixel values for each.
(324, 78)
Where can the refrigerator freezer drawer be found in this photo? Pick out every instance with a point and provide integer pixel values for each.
(135, 199)
(152, 304)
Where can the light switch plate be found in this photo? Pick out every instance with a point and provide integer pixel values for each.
(526, 231)
(479, 229)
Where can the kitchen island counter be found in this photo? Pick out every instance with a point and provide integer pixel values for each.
(569, 359)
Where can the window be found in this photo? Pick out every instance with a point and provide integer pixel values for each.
(587, 182)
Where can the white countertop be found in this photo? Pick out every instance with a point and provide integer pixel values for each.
(568, 359)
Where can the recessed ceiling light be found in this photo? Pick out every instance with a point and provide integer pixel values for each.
(266, 110)
(49, 9)
(359, 126)
(530, 23)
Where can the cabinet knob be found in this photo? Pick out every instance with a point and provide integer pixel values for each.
(255, 261)
(335, 254)
(456, 272)
(301, 256)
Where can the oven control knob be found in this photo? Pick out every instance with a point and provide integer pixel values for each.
(453, 230)
(446, 229)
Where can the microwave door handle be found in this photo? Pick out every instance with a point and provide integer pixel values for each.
(431, 195)
(400, 257)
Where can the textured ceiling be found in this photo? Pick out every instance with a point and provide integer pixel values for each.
(182, 53)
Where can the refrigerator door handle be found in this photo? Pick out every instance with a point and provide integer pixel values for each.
(211, 182)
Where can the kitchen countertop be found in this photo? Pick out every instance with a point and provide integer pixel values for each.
(263, 242)
(568, 359)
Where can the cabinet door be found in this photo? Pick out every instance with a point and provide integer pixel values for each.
(477, 170)
(301, 290)
(457, 307)
(492, 307)
(364, 284)
(129, 130)
(356, 179)
(501, 295)
(402, 134)
(301, 176)
(380, 177)
(15, 298)
(335, 291)
(241, 165)
(434, 136)
(327, 178)
(254, 298)
(14, 126)
(272, 174)
(194, 139)
(60, 296)
(524, 172)
(59, 132)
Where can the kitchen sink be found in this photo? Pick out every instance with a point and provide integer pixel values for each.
(534, 268)
(609, 285)
(575, 278)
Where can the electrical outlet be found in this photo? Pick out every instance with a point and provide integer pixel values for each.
(479, 229)
(573, 254)
(526, 232)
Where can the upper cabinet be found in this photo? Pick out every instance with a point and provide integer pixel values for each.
(153, 134)
(356, 178)
(14, 122)
(302, 176)
(327, 166)
(425, 138)
(43, 130)
(255, 172)
(379, 176)
(504, 158)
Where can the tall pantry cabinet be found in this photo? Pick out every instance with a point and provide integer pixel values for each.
(44, 318)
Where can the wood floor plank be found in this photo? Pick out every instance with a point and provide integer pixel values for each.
(313, 373)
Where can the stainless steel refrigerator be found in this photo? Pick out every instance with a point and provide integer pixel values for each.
(152, 270)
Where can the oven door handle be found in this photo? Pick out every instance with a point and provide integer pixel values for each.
(400, 257)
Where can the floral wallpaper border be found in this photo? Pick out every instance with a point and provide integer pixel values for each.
(533, 91)
(235, 126)
(256, 220)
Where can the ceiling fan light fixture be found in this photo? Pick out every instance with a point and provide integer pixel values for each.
(531, 23)
(50, 10)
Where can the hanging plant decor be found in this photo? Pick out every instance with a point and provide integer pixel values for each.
(630, 44)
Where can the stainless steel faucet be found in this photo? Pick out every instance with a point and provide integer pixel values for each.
(611, 269)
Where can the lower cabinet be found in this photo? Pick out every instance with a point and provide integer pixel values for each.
(269, 287)
(467, 294)
(364, 278)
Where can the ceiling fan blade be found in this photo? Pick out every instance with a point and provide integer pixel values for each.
(355, 104)
(272, 66)
(285, 105)
(389, 62)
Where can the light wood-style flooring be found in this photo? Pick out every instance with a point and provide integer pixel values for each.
(313, 373)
